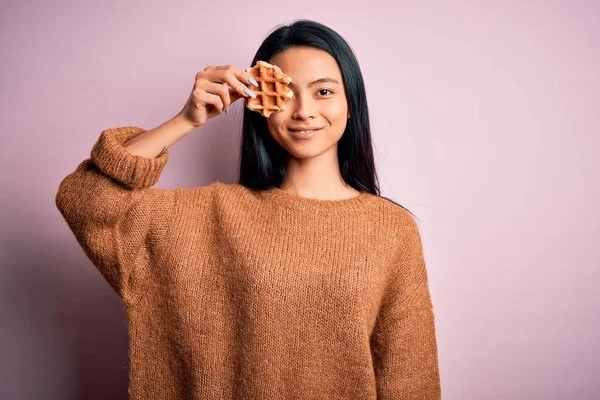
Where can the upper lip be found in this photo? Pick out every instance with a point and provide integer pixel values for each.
(304, 128)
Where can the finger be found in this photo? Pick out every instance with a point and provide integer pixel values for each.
(235, 82)
(234, 95)
(234, 78)
(219, 89)
(204, 99)
(240, 74)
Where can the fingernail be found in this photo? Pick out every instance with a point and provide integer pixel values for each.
(253, 81)
(226, 110)
(250, 93)
(220, 112)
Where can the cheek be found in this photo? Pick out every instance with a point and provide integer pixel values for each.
(275, 121)
(335, 110)
(275, 124)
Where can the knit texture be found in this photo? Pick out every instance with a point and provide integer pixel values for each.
(234, 293)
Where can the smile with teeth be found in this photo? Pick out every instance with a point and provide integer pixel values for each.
(304, 132)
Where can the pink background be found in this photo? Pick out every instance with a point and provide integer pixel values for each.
(485, 123)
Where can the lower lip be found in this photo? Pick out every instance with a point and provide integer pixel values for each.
(301, 135)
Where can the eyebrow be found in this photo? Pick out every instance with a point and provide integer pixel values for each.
(322, 80)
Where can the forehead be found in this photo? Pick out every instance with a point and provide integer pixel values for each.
(305, 65)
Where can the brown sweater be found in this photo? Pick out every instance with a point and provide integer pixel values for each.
(233, 293)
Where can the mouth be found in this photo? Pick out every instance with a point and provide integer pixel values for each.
(304, 133)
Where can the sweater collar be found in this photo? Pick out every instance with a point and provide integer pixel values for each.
(290, 200)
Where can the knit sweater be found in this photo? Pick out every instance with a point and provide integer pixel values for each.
(235, 293)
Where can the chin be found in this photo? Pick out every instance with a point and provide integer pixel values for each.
(304, 151)
(303, 155)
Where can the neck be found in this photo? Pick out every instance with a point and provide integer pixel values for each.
(316, 178)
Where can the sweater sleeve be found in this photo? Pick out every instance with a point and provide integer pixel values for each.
(116, 217)
(403, 340)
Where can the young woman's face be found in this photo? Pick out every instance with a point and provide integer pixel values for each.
(319, 102)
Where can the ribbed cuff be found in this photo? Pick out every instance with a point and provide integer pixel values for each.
(137, 172)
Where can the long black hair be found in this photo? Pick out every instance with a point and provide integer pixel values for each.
(263, 161)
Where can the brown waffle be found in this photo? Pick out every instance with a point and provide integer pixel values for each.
(273, 89)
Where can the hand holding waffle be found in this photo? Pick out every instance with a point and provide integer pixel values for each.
(215, 89)
(273, 89)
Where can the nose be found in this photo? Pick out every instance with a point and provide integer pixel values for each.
(303, 107)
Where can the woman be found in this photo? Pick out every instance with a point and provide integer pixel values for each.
(299, 281)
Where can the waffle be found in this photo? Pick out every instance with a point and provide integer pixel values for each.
(272, 91)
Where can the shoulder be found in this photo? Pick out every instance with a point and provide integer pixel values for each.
(397, 213)
(395, 208)
(231, 191)
(219, 191)
(219, 194)
(403, 225)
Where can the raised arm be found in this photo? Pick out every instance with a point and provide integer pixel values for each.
(115, 215)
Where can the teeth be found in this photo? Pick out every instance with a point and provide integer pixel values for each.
(312, 130)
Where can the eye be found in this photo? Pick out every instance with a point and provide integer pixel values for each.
(325, 90)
